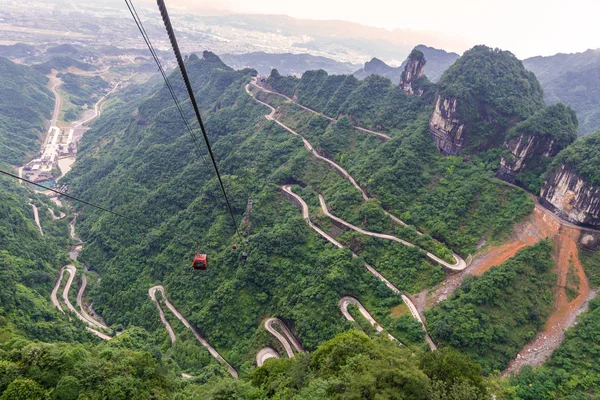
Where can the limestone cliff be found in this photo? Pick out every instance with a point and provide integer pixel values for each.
(521, 149)
(532, 143)
(413, 71)
(445, 126)
(480, 98)
(571, 197)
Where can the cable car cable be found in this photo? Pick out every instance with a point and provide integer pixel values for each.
(167, 21)
(77, 199)
(146, 38)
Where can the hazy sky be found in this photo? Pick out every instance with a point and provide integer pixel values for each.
(525, 27)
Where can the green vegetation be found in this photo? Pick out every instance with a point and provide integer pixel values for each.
(572, 372)
(38, 370)
(149, 171)
(29, 265)
(373, 103)
(573, 79)
(558, 122)
(353, 366)
(493, 316)
(139, 160)
(456, 202)
(83, 89)
(493, 91)
(584, 157)
(591, 266)
(25, 103)
(61, 63)
(556, 128)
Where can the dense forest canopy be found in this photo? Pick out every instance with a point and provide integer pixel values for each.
(558, 121)
(493, 91)
(473, 319)
(138, 159)
(548, 131)
(25, 103)
(584, 157)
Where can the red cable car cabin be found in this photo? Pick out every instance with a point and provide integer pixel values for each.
(200, 262)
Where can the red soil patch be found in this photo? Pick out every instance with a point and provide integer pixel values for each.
(539, 225)
(565, 312)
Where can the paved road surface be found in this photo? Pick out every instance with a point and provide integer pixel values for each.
(98, 106)
(88, 317)
(380, 135)
(36, 217)
(54, 294)
(458, 266)
(264, 354)
(55, 82)
(305, 214)
(185, 322)
(152, 293)
(287, 339)
(459, 263)
(347, 300)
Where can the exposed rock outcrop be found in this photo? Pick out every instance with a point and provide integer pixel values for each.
(531, 143)
(520, 150)
(446, 127)
(480, 98)
(413, 71)
(570, 196)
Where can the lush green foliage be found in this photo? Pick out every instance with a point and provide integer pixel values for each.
(82, 89)
(29, 265)
(584, 157)
(373, 103)
(591, 265)
(455, 201)
(572, 372)
(573, 79)
(352, 366)
(138, 159)
(554, 128)
(493, 91)
(25, 103)
(493, 316)
(558, 122)
(144, 166)
(38, 370)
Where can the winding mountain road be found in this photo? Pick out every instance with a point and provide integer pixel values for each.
(36, 217)
(347, 300)
(459, 263)
(264, 354)
(98, 105)
(152, 292)
(287, 189)
(431, 256)
(55, 82)
(380, 135)
(84, 313)
(286, 341)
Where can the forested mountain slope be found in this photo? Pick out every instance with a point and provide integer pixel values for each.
(25, 103)
(138, 159)
(573, 79)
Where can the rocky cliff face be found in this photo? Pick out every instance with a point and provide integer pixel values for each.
(413, 70)
(521, 149)
(446, 127)
(571, 197)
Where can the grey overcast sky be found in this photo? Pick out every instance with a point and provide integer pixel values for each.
(525, 27)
